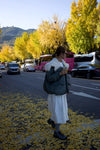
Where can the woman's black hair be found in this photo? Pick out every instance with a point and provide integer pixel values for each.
(60, 50)
(54, 55)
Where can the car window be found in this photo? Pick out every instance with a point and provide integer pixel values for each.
(83, 67)
(13, 65)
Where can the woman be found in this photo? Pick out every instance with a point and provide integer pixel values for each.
(56, 71)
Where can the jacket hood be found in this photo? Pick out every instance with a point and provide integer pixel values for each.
(56, 64)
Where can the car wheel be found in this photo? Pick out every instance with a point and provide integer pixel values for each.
(73, 74)
(26, 70)
(42, 69)
(7, 72)
(88, 76)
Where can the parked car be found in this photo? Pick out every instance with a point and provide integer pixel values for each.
(2, 66)
(0, 74)
(13, 68)
(87, 71)
(29, 67)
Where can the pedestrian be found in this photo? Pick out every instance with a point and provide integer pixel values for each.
(56, 85)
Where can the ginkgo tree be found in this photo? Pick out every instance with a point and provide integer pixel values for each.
(51, 34)
(98, 34)
(7, 54)
(82, 25)
(33, 45)
(20, 47)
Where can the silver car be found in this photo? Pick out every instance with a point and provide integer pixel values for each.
(29, 68)
(2, 66)
(13, 68)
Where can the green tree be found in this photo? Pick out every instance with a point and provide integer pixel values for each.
(82, 25)
(20, 47)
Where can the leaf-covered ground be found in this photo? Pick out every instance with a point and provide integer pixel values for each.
(24, 126)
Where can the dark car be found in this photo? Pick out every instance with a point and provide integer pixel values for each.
(13, 68)
(87, 71)
(0, 74)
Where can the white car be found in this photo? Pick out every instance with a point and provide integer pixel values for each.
(2, 67)
(29, 67)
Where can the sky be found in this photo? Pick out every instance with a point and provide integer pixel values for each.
(29, 14)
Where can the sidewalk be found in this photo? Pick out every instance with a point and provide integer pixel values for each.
(24, 126)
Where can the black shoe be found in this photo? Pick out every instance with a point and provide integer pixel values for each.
(68, 121)
(59, 135)
(52, 123)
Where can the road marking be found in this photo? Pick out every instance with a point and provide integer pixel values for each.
(85, 95)
(86, 87)
(95, 84)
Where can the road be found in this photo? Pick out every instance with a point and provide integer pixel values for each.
(84, 94)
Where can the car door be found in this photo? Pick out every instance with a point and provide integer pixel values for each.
(82, 71)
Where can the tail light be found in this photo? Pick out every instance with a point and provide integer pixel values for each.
(97, 69)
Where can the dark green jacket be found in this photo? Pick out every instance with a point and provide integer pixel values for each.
(54, 83)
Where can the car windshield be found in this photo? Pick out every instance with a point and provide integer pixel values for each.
(13, 65)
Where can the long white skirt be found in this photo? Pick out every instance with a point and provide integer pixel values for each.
(58, 107)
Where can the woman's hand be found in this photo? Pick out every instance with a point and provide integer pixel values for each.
(63, 72)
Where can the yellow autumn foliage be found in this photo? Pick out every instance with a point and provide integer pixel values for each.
(82, 25)
(23, 125)
(33, 45)
(7, 53)
(20, 46)
(98, 29)
(51, 34)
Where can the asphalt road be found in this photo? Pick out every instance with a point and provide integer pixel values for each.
(84, 94)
